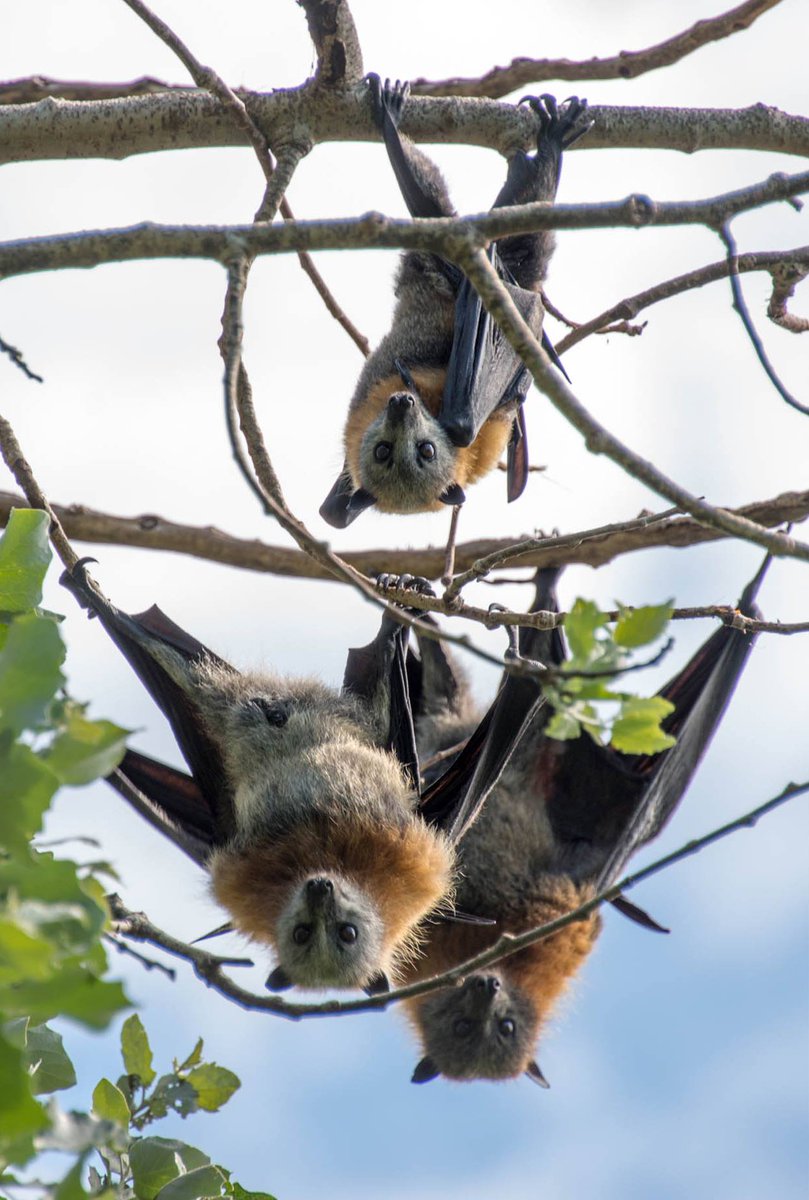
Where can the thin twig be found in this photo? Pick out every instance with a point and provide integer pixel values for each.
(628, 64)
(741, 308)
(17, 358)
(785, 278)
(629, 308)
(151, 964)
(209, 966)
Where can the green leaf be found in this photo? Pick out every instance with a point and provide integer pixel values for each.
(76, 993)
(27, 787)
(172, 1093)
(24, 558)
(20, 1114)
(155, 1161)
(639, 626)
(203, 1181)
(136, 1051)
(581, 624)
(214, 1085)
(86, 749)
(193, 1059)
(70, 1188)
(109, 1103)
(30, 674)
(50, 1066)
(563, 726)
(239, 1193)
(637, 728)
(23, 956)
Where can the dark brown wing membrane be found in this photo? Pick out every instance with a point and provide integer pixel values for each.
(170, 801)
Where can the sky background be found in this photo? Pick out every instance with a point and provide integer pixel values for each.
(679, 1066)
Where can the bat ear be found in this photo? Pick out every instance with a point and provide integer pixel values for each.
(425, 1071)
(278, 980)
(377, 985)
(533, 1072)
(454, 494)
(343, 504)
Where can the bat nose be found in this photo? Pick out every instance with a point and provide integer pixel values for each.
(319, 888)
(400, 401)
(488, 983)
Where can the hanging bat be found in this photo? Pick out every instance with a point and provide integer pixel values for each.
(303, 802)
(564, 819)
(441, 397)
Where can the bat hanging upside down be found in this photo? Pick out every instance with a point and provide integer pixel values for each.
(440, 398)
(304, 802)
(558, 828)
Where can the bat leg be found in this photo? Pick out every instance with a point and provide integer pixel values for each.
(420, 182)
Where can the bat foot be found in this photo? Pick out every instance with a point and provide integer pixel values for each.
(560, 125)
(409, 583)
(388, 99)
(77, 582)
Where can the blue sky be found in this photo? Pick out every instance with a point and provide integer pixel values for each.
(679, 1066)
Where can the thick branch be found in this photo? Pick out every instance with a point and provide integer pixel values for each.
(190, 119)
(216, 242)
(627, 64)
(153, 532)
(209, 966)
(332, 30)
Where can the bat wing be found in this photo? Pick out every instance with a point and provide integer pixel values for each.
(380, 674)
(604, 805)
(169, 800)
(484, 372)
(144, 639)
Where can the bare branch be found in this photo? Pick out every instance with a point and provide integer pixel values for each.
(792, 264)
(209, 966)
(16, 357)
(741, 308)
(33, 88)
(785, 278)
(597, 438)
(21, 470)
(439, 235)
(628, 64)
(591, 547)
(332, 30)
(189, 119)
(151, 964)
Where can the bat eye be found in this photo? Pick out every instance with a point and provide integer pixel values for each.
(347, 933)
(276, 714)
(301, 934)
(382, 451)
(426, 451)
(462, 1027)
(507, 1027)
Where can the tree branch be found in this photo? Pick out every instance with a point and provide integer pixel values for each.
(792, 265)
(188, 119)
(598, 439)
(439, 235)
(332, 30)
(785, 278)
(209, 966)
(628, 64)
(16, 357)
(592, 548)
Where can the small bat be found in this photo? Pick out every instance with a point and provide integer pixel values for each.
(441, 397)
(560, 826)
(303, 802)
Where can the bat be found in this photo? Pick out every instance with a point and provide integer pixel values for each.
(303, 802)
(440, 398)
(559, 827)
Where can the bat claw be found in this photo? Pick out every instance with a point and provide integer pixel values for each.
(410, 583)
(562, 124)
(77, 583)
(388, 99)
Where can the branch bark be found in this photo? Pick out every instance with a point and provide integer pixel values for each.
(153, 532)
(186, 119)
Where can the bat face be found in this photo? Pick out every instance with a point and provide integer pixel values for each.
(330, 934)
(406, 459)
(484, 1030)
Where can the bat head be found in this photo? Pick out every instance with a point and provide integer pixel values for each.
(486, 1029)
(406, 459)
(329, 934)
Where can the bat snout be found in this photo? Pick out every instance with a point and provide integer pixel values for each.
(400, 407)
